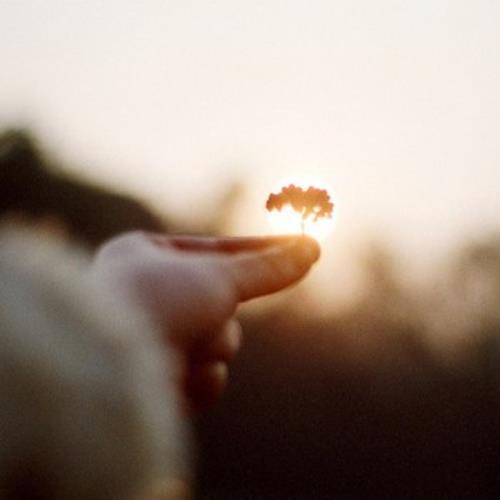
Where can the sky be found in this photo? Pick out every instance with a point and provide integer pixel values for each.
(395, 105)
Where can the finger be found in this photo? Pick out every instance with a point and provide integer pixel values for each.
(223, 347)
(266, 271)
(223, 245)
(205, 384)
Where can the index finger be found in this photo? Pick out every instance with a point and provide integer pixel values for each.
(265, 271)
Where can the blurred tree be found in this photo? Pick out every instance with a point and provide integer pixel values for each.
(31, 187)
(477, 273)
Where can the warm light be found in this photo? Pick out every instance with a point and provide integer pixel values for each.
(288, 221)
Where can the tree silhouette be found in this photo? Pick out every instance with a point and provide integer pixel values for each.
(312, 203)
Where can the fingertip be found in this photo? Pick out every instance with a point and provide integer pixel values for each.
(267, 271)
(223, 347)
(308, 248)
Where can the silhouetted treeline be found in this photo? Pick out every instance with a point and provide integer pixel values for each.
(398, 397)
(362, 404)
(30, 188)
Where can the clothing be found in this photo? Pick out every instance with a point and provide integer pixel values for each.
(87, 406)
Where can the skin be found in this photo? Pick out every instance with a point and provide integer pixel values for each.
(192, 287)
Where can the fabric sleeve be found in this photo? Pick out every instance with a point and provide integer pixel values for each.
(87, 404)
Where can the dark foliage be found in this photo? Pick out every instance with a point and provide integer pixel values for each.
(359, 405)
(310, 414)
(91, 214)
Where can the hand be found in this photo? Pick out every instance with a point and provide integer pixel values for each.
(192, 286)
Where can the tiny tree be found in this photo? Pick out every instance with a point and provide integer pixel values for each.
(313, 203)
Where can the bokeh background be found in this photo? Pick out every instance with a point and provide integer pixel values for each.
(184, 115)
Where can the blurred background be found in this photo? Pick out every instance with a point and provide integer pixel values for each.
(184, 115)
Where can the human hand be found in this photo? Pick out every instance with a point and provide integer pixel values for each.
(192, 286)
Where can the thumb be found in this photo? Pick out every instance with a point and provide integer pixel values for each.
(265, 271)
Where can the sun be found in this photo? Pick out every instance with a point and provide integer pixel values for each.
(288, 221)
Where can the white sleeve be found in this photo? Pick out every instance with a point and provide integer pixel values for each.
(87, 405)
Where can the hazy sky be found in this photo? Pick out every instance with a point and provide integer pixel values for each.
(394, 103)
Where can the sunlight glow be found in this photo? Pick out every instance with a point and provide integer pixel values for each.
(288, 221)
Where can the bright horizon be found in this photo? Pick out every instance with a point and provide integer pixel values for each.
(396, 105)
